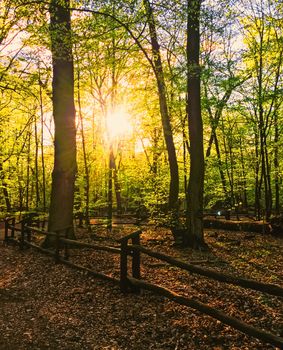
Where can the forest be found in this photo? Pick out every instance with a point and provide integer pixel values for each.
(158, 116)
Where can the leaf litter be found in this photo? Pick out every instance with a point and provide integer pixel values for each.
(50, 306)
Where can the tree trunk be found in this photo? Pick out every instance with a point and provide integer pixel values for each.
(194, 234)
(64, 172)
(110, 188)
(5, 188)
(37, 196)
(244, 175)
(28, 172)
(85, 158)
(276, 166)
(117, 186)
(220, 166)
(257, 179)
(42, 140)
(165, 118)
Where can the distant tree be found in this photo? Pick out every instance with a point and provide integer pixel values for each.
(263, 95)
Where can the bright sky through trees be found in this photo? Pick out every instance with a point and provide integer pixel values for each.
(118, 123)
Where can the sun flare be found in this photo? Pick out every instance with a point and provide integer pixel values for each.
(118, 123)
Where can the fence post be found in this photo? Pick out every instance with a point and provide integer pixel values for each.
(124, 266)
(136, 262)
(13, 227)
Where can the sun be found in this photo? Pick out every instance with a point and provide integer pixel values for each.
(118, 124)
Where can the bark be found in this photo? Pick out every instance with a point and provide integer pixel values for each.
(63, 176)
(194, 234)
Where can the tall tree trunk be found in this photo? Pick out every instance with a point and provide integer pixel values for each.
(117, 185)
(221, 172)
(37, 196)
(244, 176)
(165, 118)
(268, 195)
(194, 235)
(5, 188)
(65, 166)
(262, 131)
(28, 171)
(110, 188)
(114, 82)
(86, 166)
(42, 140)
(276, 166)
(257, 179)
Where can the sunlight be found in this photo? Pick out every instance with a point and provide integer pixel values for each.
(118, 124)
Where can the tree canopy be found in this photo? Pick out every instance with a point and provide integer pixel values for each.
(172, 108)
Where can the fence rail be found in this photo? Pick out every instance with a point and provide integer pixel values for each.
(208, 310)
(268, 288)
(133, 282)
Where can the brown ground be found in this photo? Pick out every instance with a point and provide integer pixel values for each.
(49, 306)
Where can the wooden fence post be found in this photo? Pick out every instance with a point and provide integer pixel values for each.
(136, 262)
(125, 284)
(124, 266)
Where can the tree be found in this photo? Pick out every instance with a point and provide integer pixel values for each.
(64, 172)
(165, 118)
(194, 216)
(264, 59)
(221, 76)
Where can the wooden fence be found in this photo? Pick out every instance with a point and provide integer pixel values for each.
(132, 282)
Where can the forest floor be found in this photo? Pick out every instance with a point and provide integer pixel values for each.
(44, 305)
